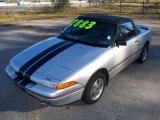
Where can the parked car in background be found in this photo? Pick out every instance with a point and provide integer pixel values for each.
(23, 2)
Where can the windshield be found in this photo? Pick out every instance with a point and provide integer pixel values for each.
(89, 32)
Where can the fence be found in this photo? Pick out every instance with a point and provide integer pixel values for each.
(94, 5)
(128, 7)
(140, 7)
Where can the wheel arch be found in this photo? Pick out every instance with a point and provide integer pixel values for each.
(147, 42)
(85, 94)
(105, 72)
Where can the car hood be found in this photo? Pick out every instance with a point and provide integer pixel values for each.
(62, 64)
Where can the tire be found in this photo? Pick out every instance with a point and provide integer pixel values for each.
(96, 85)
(144, 53)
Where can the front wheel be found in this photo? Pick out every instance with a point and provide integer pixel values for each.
(94, 88)
(144, 53)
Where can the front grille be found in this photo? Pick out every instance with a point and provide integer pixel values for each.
(21, 81)
(19, 74)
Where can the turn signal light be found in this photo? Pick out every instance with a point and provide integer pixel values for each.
(65, 85)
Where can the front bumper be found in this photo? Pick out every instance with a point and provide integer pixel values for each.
(46, 94)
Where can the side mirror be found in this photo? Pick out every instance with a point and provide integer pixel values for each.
(121, 42)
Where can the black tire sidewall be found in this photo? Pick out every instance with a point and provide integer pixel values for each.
(86, 97)
(140, 60)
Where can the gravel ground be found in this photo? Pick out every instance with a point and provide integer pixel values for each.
(133, 94)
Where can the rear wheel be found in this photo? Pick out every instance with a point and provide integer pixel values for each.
(94, 88)
(144, 53)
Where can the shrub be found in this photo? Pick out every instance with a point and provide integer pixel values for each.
(61, 4)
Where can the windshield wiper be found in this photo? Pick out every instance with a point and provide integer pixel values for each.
(64, 36)
(81, 41)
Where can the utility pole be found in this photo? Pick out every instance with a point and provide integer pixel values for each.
(120, 5)
(143, 7)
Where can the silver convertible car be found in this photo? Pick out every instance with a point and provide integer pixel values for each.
(78, 63)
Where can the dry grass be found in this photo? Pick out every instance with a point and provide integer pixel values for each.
(49, 13)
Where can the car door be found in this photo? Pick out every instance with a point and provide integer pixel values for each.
(124, 55)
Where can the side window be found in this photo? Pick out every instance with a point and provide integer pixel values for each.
(126, 31)
(120, 35)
